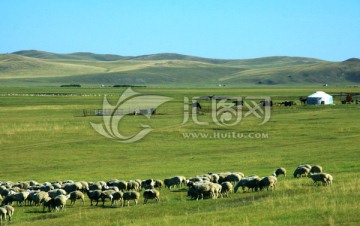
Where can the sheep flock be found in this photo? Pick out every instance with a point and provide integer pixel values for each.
(55, 195)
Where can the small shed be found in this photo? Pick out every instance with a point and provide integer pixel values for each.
(319, 97)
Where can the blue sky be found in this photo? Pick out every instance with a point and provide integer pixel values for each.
(229, 29)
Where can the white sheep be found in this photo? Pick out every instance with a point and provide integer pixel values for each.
(74, 195)
(133, 185)
(56, 192)
(131, 195)
(204, 189)
(3, 213)
(280, 171)
(60, 202)
(158, 184)
(329, 179)
(107, 194)
(301, 170)
(226, 188)
(267, 182)
(9, 211)
(37, 197)
(324, 178)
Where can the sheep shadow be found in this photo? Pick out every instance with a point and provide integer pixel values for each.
(180, 190)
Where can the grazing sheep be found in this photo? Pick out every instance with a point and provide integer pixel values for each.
(102, 183)
(122, 185)
(3, 213)
(84, 185)
(114, 188)
(267, 182)
(226, 188)
(324, 178)
(56, 185)
(60, 202)
(214, 178)
(74, 195)
(117, 196)
(107, 195)
(33, 183)
(56, 192)
(37, 197)
(67, 182)
(216, 190)
(233, 178)
(151, 194)
(133, 185)
(300, 171)
(95, 186)
(131, 195)
(316, 169)
(222, 177)
(4, 191)
(70, 187)
(9, 212)
(202, 189)
(20, 197)
(46, 188)
(46, 184)
(158, 184)
(193, 193)
(318, 177)
(198, 179)
(280, 171)
(48, 203)
(174, 181)
(21, 185)
(7, 200)
(139, 182)
(112, 182)
(94, 195)
(182, 180)
(148, 184)
(8, 184)
(329, 179)
(249, 182)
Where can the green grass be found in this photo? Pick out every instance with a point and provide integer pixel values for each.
(44, 138)
(36, 68)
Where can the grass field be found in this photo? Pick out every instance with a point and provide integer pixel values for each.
(37, 68)
(46, 138)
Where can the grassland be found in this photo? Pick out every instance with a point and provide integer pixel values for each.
(45, 138)
(36, 68)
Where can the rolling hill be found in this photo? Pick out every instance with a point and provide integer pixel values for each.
(38, 67)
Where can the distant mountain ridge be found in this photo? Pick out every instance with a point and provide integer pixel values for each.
(171, 68)
(71, 56)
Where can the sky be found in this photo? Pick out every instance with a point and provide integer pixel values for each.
(226, 29)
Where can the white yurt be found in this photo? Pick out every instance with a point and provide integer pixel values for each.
(319, 97)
